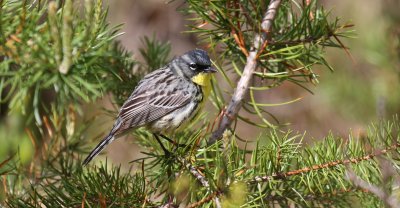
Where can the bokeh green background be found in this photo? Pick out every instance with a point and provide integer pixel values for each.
(363, 88)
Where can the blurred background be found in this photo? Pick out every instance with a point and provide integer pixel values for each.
(363, 88)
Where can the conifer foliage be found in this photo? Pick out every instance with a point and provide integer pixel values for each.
(57, 56)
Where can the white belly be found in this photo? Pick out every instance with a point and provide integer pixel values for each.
(175, 119)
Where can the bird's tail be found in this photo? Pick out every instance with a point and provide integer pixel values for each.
(107, 140)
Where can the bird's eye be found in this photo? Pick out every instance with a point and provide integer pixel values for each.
(193, 66)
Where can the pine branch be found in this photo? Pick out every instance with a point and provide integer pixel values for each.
(259, 43)
(276, 176)
(277, 170)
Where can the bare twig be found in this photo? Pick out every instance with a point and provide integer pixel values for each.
(259, 44)
(390, 200)
(385, 195)
(351, 176)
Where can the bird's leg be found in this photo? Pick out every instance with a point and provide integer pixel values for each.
(171, 141)
(162, 146)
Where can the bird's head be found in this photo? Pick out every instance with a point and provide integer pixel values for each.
(194, 65)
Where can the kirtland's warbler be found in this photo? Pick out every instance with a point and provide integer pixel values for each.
(165, 99)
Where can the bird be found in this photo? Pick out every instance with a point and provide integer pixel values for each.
(164, 100)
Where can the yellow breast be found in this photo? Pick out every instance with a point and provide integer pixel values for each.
(204, 80)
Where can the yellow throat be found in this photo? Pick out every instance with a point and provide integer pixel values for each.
(204, 80)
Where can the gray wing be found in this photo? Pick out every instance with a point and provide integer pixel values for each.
(155, 96)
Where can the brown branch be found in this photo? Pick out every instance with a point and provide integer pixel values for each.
(251, 65)
(259, 179)
(275, 176)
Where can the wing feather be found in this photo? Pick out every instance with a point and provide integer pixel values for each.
(151, 100)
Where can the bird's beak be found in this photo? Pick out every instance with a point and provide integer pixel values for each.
(210, 70)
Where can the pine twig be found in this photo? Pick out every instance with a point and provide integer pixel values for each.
(251, 64)
(275, 176)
